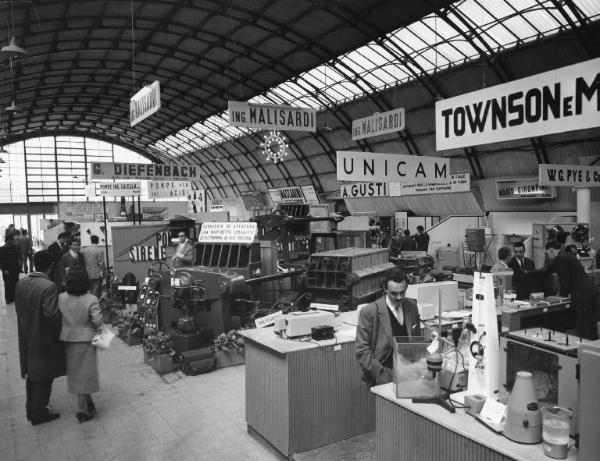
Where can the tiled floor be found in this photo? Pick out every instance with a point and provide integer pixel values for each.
(141, 415)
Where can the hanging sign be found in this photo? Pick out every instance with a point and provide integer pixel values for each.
(523, 188)
(170, 189)
(377, 124)
(271, 117)
(197, 203)
(552, 102)
(569, 175)
(142, 171)
(364, 189)
(144, 103)
(292, 194)
(310, 195)
(228, 232)
(458, 182)
(117, 189)
(374, 167)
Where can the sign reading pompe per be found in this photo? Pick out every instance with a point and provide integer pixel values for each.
(375, 167)
(552, 102)
(271, 117)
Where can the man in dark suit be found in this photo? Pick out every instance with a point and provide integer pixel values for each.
(56, 250)
(39, 322)
(575, 282)
(10, 263)
(519, 265)
(71, 259)
(391, 315)
(422, 239)
(407, 243)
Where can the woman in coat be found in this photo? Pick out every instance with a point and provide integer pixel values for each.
(81, 317)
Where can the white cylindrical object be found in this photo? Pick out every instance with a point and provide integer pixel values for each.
(583, 204)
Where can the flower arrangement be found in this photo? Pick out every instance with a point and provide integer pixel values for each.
(230, 341)
(131, 322)
(158, 343)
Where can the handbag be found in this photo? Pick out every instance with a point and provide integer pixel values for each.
(103, 338)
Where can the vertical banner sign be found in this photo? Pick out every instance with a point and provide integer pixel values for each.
(374, 167)
(569, 175)
(401, 220)
(144, 103)
(197, 203)
(377, 124)
(557, 101)
(170, 189)
(271, 117)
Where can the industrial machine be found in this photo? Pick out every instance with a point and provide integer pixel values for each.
(347, 277)
(564, 233)
(551, 357)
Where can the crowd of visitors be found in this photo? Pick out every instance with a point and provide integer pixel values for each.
(57, 316)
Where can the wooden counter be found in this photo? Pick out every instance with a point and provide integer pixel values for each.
(424, 432)
(304, 395)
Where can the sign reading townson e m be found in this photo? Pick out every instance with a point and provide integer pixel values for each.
(560, 100)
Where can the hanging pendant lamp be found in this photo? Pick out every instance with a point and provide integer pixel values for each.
(13, 50)
(13, 107)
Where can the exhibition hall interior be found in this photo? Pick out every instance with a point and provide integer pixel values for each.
(338, 230)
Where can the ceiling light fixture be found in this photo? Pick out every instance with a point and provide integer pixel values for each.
(12, 50)
(274, 146)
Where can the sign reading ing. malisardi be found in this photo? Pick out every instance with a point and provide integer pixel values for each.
(140, 171)
(378, 123)
(560, 100)
(144, 103)
(271, 117)
(374, 167)
(569, 175)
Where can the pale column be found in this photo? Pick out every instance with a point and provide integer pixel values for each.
(583, 204)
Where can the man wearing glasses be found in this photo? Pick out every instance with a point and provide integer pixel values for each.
(391, 315)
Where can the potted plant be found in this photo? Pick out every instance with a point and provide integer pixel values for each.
(159, 348)
(130, 327)
(107, 308)
(229, 349)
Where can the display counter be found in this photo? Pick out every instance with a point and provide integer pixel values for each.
(302, 395)
(424, 432)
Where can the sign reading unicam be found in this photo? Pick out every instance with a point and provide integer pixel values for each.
(552, 102)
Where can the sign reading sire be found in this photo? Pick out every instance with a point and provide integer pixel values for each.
(552, 102)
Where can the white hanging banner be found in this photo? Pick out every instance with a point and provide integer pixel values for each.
(272, 117)
(560, 100)
(364, 189)
(144, 103)
(458, 182)
(143, 171)
(569, 175)
(523, 188)
(355, 166)
(170, 189)
(310, 195)
(228, 232)
(117, 189)
(377, 124)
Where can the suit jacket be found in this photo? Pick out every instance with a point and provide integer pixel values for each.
(93, 256)
(573, 280)
(185, 255)
(68, 262)
(422, 241)
(56, 251)
(38, 322)
(520, 284)
(374, 341)
(10, 258)
(408, 244)
(81, 317)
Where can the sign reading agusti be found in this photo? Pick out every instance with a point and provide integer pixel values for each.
(144, 103)
(143, 172)
(560, 100)
(378, 123)
(271, 117)
(375, 167)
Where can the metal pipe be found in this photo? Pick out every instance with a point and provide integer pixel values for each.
(278, 276)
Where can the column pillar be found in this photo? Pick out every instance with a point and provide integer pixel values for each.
(583, 204)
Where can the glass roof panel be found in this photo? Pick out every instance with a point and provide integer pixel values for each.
(497, 25)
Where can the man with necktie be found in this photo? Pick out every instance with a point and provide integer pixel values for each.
(519, 265)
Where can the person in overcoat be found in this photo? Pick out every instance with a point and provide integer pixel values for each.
(81, 318)
(391, 315)
(10, 263)
(70, 260)
(42, 355)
